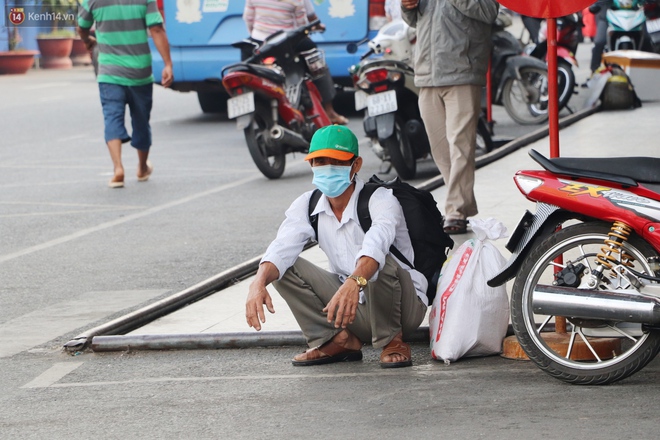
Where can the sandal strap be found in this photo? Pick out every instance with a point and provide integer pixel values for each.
(328, 349)
(396, 346)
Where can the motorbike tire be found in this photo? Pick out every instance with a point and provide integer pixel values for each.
(526, 101)
(269, 160)
(484, 144)
(579, 243)
(566, 82)
(626, 46)
(401, 151)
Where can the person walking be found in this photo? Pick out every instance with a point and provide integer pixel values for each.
(451, 60)
(125, 74)
(368, 295)
(265, 17)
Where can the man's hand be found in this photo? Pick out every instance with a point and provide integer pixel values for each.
(254, 306)
(167, 76)
(409, 4)
(345, 303)
(90, 42)
(319, 27)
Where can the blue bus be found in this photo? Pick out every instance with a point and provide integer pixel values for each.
(201, 32)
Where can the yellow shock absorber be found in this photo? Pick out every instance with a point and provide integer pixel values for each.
(612, 254)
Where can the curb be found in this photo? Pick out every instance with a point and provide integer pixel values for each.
(108, 337)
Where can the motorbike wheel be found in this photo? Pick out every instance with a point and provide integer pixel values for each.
(269, 160)
(566, 82)
(401, 151)
(579, 244)
(484, 143)
(526, 101)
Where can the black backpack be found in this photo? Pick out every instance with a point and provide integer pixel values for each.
(425, 226)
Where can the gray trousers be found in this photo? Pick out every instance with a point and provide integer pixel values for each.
(391, 306)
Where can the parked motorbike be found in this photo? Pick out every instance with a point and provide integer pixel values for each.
(385, 87)
(519, 82)
(590, 254)
(273, 98)
(652, 15)
(625, 20)
(568, 32)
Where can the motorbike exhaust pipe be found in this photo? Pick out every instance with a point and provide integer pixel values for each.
(283, 136)
(596, 304)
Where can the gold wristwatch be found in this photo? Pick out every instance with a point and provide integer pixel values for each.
(361, 281)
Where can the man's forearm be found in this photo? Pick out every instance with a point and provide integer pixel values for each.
(162, 45)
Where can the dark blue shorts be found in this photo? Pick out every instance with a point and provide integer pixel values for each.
(139, 99)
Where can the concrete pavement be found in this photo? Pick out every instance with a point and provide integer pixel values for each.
(221, 315)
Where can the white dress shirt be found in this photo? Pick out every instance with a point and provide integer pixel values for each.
(344, 242)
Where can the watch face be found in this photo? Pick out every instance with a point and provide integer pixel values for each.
(361, 281)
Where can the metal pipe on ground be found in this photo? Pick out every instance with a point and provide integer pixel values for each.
(199, 341)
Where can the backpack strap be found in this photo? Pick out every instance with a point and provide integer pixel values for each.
(314, 219)
(364, 216)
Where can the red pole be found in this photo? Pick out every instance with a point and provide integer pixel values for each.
(489, 92)
(553, 97)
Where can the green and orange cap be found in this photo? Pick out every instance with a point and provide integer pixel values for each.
(335, 141)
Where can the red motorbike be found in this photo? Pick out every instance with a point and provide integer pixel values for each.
(273, 98)
(590, 256)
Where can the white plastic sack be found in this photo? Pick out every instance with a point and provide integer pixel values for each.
(469, 318)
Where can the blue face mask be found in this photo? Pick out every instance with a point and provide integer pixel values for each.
(332, 180)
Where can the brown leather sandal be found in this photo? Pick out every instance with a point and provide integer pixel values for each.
(396, 346)
(327, 353)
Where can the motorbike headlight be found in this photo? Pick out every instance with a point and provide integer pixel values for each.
(527, 184)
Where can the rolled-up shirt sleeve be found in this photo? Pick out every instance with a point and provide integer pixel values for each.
(386, 217)
(292, 236)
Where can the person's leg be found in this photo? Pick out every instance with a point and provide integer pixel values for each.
(323, 82)
(113, 103)
(462, 105)
(307, 289)
(392, 304)
(140, 104)
(394, 311)
(114, 147)
(432, 110)
(600, 39)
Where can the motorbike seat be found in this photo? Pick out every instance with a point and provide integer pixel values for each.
(266, 72)
(623, 170)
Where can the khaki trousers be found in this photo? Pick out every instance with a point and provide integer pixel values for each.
(391, 305)
(451, 115)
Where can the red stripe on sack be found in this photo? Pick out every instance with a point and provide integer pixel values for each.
(452, 286)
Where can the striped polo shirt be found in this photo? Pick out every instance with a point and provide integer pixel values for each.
(264, 17)
(121, 35)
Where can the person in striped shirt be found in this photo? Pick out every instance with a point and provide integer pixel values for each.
(265, 17)
(124, 72)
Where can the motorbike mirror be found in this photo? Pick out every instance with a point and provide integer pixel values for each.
(353, 47)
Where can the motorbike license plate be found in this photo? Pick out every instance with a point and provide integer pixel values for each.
(360, 100)
(240, 105)
(653, 25)
(382, 103)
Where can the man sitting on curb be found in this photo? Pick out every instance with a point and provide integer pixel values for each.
(368, 294)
